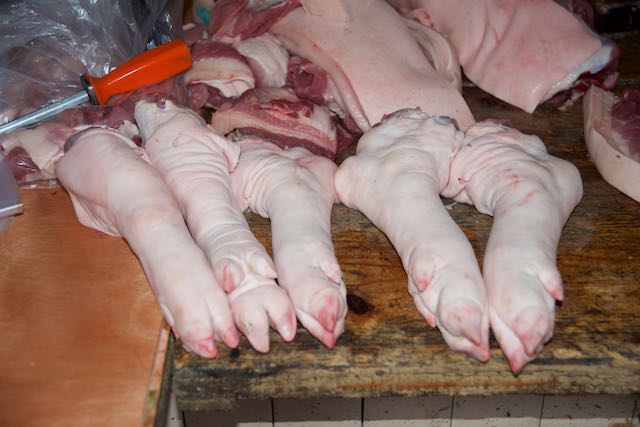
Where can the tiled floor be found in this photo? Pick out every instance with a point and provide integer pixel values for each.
(433, 411)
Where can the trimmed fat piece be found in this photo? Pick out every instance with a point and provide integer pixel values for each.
(294, 188)
(521, 51)
(278, 116)
(530, 194)
(267, 58)
(220, 66)
(612, 134)
(114, 190)
(196, 163)
(375, 63)
(395, 179)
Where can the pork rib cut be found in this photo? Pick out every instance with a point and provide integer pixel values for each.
(612, 134)
(530, 194)
(195, 163)
(395, 179)
(294, 188)
(114, 190)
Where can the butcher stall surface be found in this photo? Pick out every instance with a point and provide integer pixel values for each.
(387, 348)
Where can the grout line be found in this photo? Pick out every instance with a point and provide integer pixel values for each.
(273, 415)
(362, 412)
(541, 411)
(633, 411)
(451, 414)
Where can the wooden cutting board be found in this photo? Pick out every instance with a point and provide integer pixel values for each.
(80, 326)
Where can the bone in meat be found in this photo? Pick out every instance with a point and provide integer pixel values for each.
(196, 163)
(117, 192)
(530, 194)
(395, 178)
(294, 188)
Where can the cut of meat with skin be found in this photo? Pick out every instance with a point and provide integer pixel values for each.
(195, 163)
(375, 62)
(521, 51)
(267, 58)
(220, 66)
(280, 117)
(612, 134)
(116, 191)
(438, 51)
(294, 188)
(235, 20)
(530, 194)
(395, 178)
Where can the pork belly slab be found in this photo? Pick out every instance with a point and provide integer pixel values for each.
(196, 163)
(530, 194)
(116, 191)
(279, 116)
(294, 188)
(521, 51)
(612, 134)
(395, 179)
(373, 59)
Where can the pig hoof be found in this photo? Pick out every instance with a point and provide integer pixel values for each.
(256, 307)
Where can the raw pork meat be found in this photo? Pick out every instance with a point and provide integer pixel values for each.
(294, 188)
(220, 67)
(395, 178)
(195, 164)
(235, 20)
(374, 61)
(530, 194)
(280, 117)
(612, 134)
(116, 191)
(521, 51)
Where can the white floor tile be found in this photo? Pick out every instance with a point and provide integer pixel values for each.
(248, 413)
(334, 412)
(587, 411)
(174, 417)
(431, 411)
(497, 411)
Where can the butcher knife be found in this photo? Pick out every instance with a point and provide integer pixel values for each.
(10, 203)
(150, 67)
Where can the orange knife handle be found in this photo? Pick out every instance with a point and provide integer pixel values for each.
(150, 67)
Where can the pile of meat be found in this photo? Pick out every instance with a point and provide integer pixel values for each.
(294, 82)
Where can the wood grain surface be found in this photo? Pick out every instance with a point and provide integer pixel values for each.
(389, 350)
(80, 326)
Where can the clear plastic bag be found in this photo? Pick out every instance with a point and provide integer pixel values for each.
(45, 45)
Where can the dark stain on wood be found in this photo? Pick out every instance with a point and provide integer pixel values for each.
(389, 350)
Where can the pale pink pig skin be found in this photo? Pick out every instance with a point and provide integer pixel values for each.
(395, 179)
(373, 59)
(530, 194)
(116, 191)
(195, 162)
(294, 188)
(520, 51)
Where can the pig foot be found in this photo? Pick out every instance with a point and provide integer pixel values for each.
(531, 195)
(395, 179)
(294, 188)
(115, 191)
(312, 277)
(258, 304)
(196, 163)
